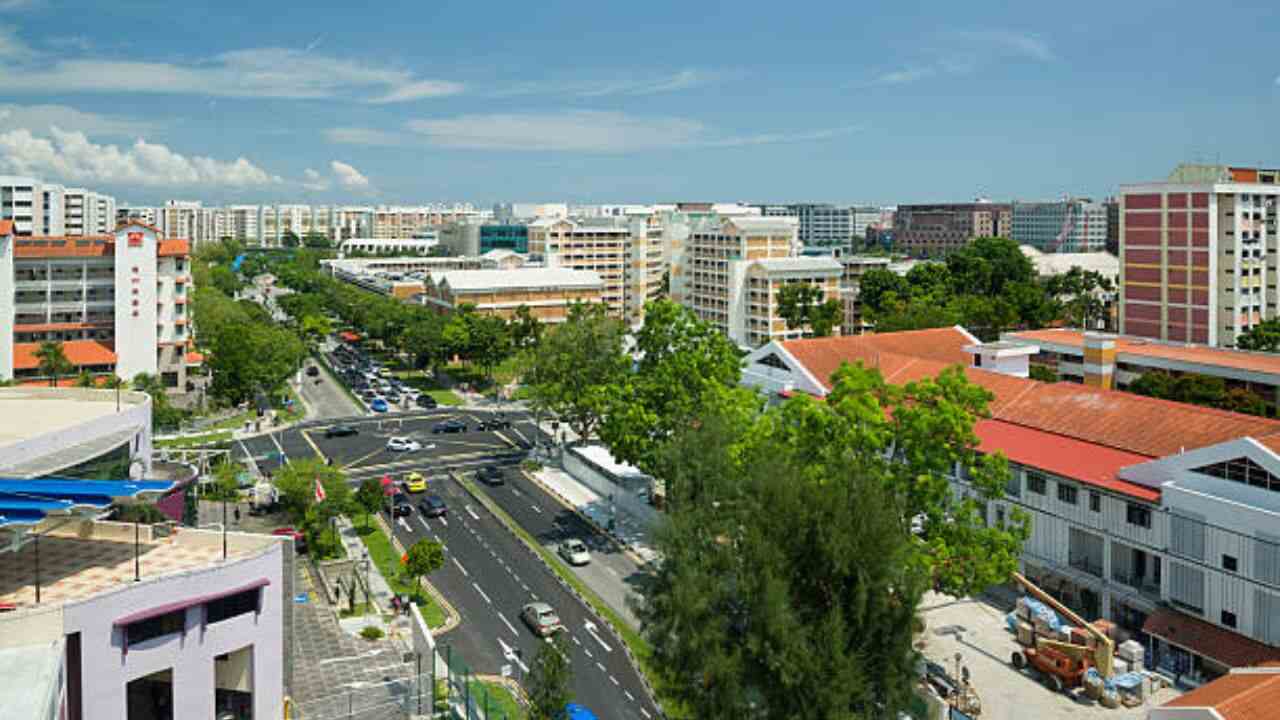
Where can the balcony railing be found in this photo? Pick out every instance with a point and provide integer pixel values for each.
(1089, 565)
(1145, 585)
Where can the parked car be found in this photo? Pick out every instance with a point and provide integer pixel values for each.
(400, 506)
(414, 482)
(449, 426)
(403, 444)
(299, 539)
(433, 506)
(541, 619)
(574, 552)
(392, 397)
(340, 431)
(312, 371)
(378, 405)
(497, 422)
(491, 475)
(426, 401)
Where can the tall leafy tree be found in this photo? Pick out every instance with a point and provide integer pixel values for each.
(550, 675)
(490, 341)
(1083, 295)
(85, 379)
(578, 366)
(681, 359)
(421, 559)
(876, 286)
(525, 328)
(368, 497)
(986, 265)
(802, 305)
(53, 361)
(1265, 336)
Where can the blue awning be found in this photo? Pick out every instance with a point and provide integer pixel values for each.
(27, 502)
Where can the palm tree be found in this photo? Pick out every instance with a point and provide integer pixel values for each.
(86, 380)
(53, 361)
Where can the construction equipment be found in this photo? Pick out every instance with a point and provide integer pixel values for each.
(1062, 663)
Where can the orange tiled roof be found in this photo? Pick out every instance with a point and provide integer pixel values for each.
(138, 222)
(1203, 638)
(1237, 696)
(823, 355)
(79, 352)
(1137, 347)
(1120, 420)
(173, 248)
(56, 247)
(194, 358)
(6, 227)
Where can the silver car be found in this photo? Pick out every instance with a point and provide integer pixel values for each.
(574, 552)
(541, 619)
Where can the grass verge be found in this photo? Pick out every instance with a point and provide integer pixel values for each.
(639, 647)
(501, 702)
(195, 440)
(388, 562)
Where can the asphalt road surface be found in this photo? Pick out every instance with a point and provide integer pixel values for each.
(489, 575)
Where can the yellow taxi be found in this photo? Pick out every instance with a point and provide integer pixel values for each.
(414, 482)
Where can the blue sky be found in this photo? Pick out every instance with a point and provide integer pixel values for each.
(395, 102)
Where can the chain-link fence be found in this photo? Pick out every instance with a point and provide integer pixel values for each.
(476, 697)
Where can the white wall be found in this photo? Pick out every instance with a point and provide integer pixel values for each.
(6, 308)
(135, 412)
(136, 337)
(107, 670)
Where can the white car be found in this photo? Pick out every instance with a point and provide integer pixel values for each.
(574, 552)
(403, 444)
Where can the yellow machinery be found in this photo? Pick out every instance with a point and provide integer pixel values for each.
(1101, 655)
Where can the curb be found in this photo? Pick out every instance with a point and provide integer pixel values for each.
(452, 618)
(591, 608)
(622, 545)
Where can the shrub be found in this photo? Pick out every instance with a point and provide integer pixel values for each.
(532, 466)
(371, 633)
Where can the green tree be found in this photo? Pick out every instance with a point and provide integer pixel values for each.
(877, 285)
(578, 366)
(928, 279)
(525, 328)
(226, 482)
(802, 305)
(369, 497)
(1084, 296)
(550, 675)
(681, 360)
(1043, 374)
(53, 361)
(422, 558)
(315, 240)
(226, 281)
(921, 313)
(85, 379)
(316, 328)
(163, 414)
(1265, 336)
(489, 341)
(986, 265)
(296, 483)
(290, 239)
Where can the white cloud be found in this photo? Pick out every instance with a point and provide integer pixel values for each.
(571, 131)
(12, 5)
(258, 72)
(42, 117)
(314, 181)
(965, 52)
(349, 177)
(12, 45)
(70, 155)
(580, 130)
(363, 136)
(637, 85)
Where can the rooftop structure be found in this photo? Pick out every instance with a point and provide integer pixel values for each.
(1244, 694)
(548, 293)
(74, 432)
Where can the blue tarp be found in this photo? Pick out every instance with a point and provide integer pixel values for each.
(574, 711)
(27, 502)
(235, 264)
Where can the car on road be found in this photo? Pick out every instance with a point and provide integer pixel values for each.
(378, 405)
(334, 431)
(491, 475)
(403, 444)
(392, 397)
(299, 539)
(414, 482)
(497, 422)
(574, 552)
(541, 619)
(400, 506)
(449, 426)
(312, 371)
(426, 401)
(433, 506)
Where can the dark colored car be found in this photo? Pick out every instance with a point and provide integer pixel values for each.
(340, 431)
(426, 401)
(449, 426)
(312, 371)
(400, 506)
(433, 506)
(491, 475)
(392, 398)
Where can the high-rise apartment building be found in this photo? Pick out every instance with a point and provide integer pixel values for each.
(1067, 226)
(1198, 254)
(88, 213)
(117, 302)
(35, 207)
(602, 246)
(733, 269)
(934, 230)
(827, 225)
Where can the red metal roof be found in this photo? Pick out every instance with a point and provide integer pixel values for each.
(1064, 456)
(1238, 696)
(79, 352)
(1209, 640)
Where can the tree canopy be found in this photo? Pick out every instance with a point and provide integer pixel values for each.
(244, 350)
(802, 306)
(550, 675)
(1265, 336)
(578, 366)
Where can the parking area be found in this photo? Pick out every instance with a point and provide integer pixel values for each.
(985, 646)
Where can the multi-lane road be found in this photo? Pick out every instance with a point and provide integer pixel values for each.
(489, 574)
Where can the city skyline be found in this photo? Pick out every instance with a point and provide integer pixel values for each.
(879, 105)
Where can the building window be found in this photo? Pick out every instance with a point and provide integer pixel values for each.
(1138, 515)
(1230, 563)
(232, 605)
(1095, 502)
(1036, 483)
(159, 626)
(1228, 619)
(1068, 494)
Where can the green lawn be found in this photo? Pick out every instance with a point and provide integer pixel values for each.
(501, 702)
(415, 379)
(388, 562)
(195, 440)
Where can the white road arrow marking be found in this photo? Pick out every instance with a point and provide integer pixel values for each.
(591, 630)
(404, 524)
(536, 509)
(509, 654)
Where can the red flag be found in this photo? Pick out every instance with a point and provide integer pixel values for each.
(319, 491)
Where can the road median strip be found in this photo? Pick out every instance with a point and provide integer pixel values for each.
(634, 646)
(451, 616)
